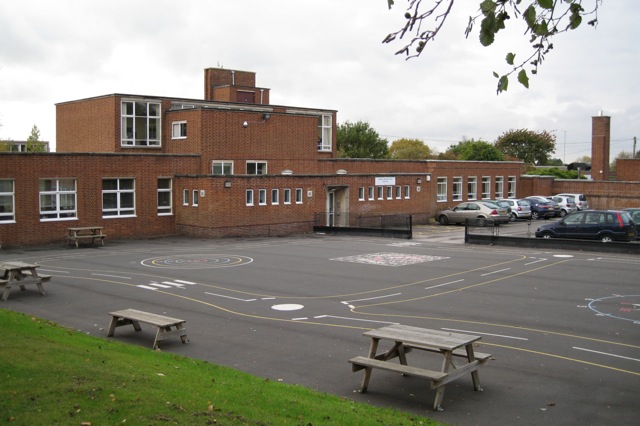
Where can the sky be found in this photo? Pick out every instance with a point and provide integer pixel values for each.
(322, 54)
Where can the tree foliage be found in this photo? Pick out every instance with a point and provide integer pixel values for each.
(410, 149)
(359, 140)
(527, 145)
(33, 141)
(543, 20)
(473, 150)
(556, 172)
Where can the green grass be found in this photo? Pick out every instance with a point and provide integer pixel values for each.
(53, 375)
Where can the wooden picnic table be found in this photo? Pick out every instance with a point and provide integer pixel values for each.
(406, 339)
(20, 273)
(93, 233)
(163, 323)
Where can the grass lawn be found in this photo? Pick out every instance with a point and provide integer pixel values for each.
(53, 375)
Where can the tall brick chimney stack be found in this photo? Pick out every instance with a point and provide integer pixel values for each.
(600, 147)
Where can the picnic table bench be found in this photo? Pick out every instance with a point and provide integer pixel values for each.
(20, 273)
(406, 339)
(135, 317)
(85, 233)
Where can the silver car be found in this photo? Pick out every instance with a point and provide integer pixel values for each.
(479, 211)
(567, 204)
(520, 209)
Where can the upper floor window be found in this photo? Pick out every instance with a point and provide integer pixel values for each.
(179, 130)
(324, 133)
(58, 199)
(164, 196)
(118, 197)
(141, 123)
(222, 167)
(256, 167)
(7, 200)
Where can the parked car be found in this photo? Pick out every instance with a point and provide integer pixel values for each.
(634, 212)
(567, 204)
(541, 209)
(580, 200)
(501, 203)
(603, 225)
(480, 210)
(556, 206)
(520, 209)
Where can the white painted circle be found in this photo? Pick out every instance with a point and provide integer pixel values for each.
(287, 307)
(562, 255)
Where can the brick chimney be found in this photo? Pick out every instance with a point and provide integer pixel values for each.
(600, 147)
(225, 85)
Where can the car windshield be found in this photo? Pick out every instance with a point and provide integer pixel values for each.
(522, 203)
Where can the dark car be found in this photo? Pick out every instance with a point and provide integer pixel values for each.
(603, 225)
(635, 216)
(541, 209)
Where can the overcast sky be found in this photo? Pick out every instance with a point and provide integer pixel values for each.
(321, 54)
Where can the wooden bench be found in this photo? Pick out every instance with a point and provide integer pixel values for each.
(77, 238)
(462, 353)
(85, 233)
(164, 324)
(361, 362)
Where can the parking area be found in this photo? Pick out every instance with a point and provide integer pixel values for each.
(562, 326)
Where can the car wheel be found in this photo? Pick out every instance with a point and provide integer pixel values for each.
(563, 213)
(514, 217)
(606, 238)
(546, 235)
(535, 215)
(481, 221)
(443, 220)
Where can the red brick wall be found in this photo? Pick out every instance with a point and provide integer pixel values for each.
(600, 146)
(628, 169)
(90, 125)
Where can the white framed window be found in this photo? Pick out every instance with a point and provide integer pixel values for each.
(456, 189)
(472, 188)
(262, 197)
(398, 192)
(486, 187)
(499, 186)
(222, 167)
(389, 192)
(185, 197)
(407, 191)
(256, 167)
(165, 188)
(249, 197)
(324, 133)
(372, 195)
(511, 186)
(195, 198)
(442, 189)
(58, 199)
(286, 196)
(140, 123)
(118, 197)
(179, 130)
(298, 195)
(7, 201)
(275, 196)
(361, 193)
(380, 192)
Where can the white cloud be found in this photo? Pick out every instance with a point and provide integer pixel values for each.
(318, 53)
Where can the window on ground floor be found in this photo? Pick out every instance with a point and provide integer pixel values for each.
(486, 187)
(456, 190)
(442, 189)
(58, 199)
(511, 187)
(472, 188)
(165, 194)
(7, 200)
(118, 197)
(499, 187)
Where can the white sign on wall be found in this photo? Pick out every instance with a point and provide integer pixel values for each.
(385, 180)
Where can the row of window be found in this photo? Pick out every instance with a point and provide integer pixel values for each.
(141, 126)
(275, 196)
(472, 188)
(378, 192)
(59, 198)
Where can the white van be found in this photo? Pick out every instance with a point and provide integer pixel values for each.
(581, 200)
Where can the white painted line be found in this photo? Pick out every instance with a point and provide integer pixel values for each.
(147, 287)
(160, 285)
(229, 297)
(185, 282)
(373, 298)
(299, 319)
(440, 285)
(495, 272)
(486, 334)
(112, 276)
(536, 261)
(604, 353)
(353, 319)
(172, 283)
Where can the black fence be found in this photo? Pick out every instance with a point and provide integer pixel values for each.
(397, 226)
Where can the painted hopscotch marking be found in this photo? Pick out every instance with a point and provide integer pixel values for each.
(165, 284)
(389, 259)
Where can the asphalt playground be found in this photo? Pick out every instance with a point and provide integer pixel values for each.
(563, 326)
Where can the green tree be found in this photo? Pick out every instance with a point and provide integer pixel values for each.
(473, 150)
(543, 20)
(359, 140)
(527, 145)
(410, 149)
(33, 141)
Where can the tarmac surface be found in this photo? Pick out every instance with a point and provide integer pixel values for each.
(563, 326)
